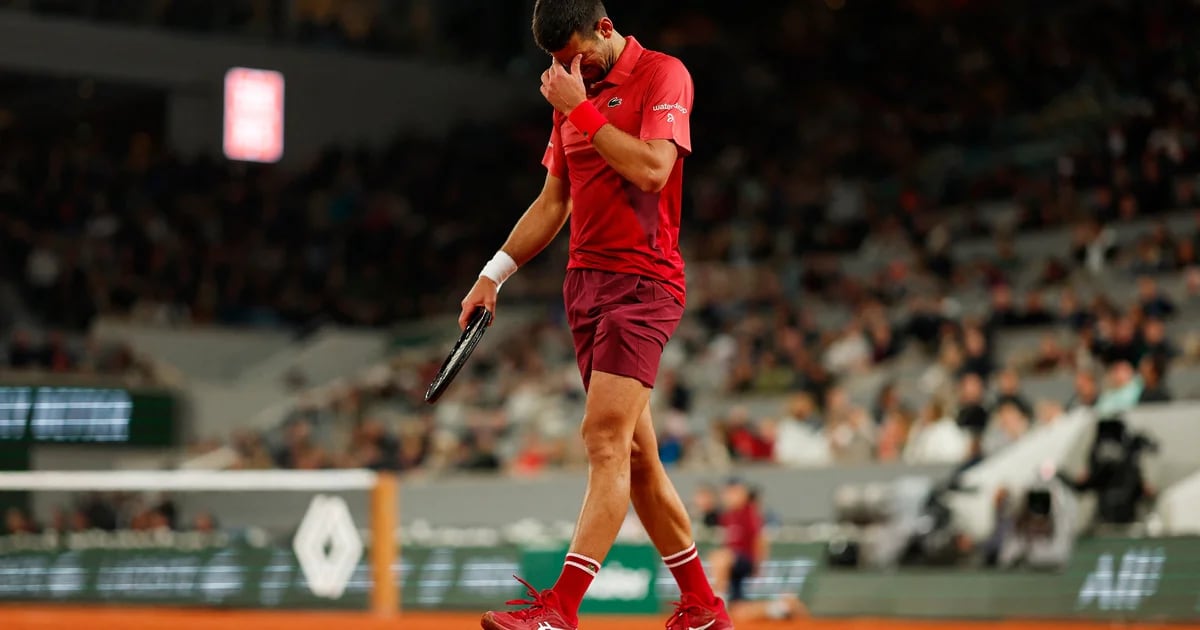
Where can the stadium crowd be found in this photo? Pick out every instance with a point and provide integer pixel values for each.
(106, 223)
(56, 354)
(884, 152)
(107, 511)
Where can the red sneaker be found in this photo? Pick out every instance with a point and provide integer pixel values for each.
(542, 612)
(690, 614)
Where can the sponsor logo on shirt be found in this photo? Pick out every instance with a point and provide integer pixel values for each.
(670, 106)
(614, 101)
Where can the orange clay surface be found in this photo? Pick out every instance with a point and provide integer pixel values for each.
(71, 618)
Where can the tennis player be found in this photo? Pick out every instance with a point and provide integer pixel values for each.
(615, 167)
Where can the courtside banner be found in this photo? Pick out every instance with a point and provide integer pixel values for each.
(1116, 578)
(139, 568)
(1106, 579)
(625, 584)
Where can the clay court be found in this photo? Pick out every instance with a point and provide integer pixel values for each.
(55, 618)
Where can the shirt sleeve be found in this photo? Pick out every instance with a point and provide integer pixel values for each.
(756, 523)
(555, 158)
(667, 112)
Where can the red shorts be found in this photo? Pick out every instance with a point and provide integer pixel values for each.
(621, 322)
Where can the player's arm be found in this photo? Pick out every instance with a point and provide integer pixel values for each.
(647, 164)
(533, 232)
(648, 158)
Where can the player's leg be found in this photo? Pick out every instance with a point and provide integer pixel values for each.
(666, 521)
(720, 562)
(664, 515)
(614, 404)
(655, 499)
(740, 571)
(620, 324)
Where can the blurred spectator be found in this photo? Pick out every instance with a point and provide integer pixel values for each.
(204, 523)
(849, 427)
(535, 455)
(678, 395)
(939, 379)
(21, 354)
(55, 355)
(413, 449)
(1003, 312)
(1009, 392)
(893, 435)
(80, 521)
(1072, 313)
(1154, 390)
(884, 344)
(1050, 355)
(674, 438)
(936, 438)
(850, 352)
(1153, 302)
(1094, 245)
(772, 375)
(477, 453)
(1155, 343)
(1123, 389)
(710, 451)
(887, 401)
(1036, 312)
(1086, 394)
(925, 321)
(705, 506)
(1007, 261)
(978, 359)
(800, 440)
(372, 446)
(251, 450)
(299, 450)
(1009, 425)
(17, 522)
(1117, 340)
(972, 415)
(743, 439)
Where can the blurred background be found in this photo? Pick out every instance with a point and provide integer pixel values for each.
(942, 269)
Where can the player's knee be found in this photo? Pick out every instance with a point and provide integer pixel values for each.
(641, 461)
(605, 444)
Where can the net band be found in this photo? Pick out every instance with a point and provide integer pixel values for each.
(190, 480)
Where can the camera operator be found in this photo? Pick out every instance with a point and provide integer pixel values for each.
(1039, 531)
(1114, 472)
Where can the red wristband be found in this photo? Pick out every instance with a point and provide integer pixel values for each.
(587, 119)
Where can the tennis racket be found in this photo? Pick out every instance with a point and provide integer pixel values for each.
(459, 354)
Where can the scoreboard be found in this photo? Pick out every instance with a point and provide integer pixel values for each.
(34, 414)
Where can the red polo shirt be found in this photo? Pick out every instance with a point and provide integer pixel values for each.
(614, 226)
(742, 528)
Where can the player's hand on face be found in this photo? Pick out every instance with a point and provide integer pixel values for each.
(564, 90)
(482, 294)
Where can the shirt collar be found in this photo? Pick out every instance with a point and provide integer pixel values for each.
(625, 63)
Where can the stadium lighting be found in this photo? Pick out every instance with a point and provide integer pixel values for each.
(253, 115)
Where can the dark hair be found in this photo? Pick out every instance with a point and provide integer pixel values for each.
(555, 21)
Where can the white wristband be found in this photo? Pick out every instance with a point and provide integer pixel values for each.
(499, 268)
